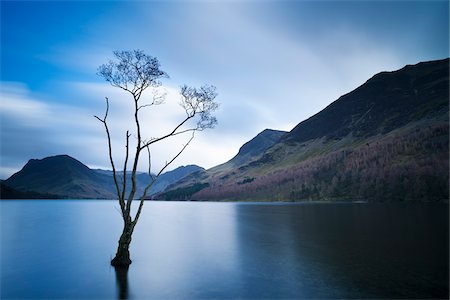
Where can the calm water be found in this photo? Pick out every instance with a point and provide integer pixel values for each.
(62, 249)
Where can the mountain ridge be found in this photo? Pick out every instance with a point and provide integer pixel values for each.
(257, 145)
(391, 90)
(62, 176)
(247, 153)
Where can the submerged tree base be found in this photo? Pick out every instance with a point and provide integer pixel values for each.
(121, 262)
(122, 258)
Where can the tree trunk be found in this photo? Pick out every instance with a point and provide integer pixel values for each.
(122, 258)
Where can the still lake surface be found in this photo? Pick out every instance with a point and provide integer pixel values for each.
(190, 250)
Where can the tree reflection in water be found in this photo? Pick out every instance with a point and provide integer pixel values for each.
(122, 282)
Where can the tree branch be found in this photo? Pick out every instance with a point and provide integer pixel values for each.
(136, 158)
(144, 194)
(121, 202)
(124, 187)
(145, 105)
(172, 133)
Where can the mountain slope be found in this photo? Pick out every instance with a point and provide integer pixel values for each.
(61, 175)
(256, 146)
(170, 177)
(385, 141)
(387, 101)
(250, 151)
(66, 177)
(164, 180)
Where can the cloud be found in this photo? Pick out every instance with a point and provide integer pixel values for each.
(32, 127)
(257, 67)
(15, 103)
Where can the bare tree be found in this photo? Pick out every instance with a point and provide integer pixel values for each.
(134, 72)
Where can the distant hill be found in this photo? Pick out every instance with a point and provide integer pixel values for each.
(61, 175)
(173, 176)
(67, 177)
(385, 141)
(256, 146)
(164, 180)
(250, 151)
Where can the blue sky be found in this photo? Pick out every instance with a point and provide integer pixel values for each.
(274, 63)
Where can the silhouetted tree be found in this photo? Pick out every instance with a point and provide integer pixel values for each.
(134, 72)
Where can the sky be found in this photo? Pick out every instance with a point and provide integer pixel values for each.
(274, 63)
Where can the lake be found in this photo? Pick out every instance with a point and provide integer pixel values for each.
(198, 250)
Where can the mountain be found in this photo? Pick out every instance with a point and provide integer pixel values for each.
(142, 179)
(173, 176)
(164, 180)
(250, 151)
(256, 146)
(66, 177)
(61, 175)
(385, 141)
(387, 101)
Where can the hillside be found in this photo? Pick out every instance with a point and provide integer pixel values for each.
(61, 175)
(385, 141)
(67, 177)
(164, 180)
(256, 146)
(249, 152)
(387, 101)
(170, 177)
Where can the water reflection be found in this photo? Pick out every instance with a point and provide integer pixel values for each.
(122, 282)
(343, 251)
(278, 236)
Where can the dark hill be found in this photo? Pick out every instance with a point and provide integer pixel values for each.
(257, 146)
(387, 101)
(165, 179)
(173, 176)
(61, 175)
(66, 177)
